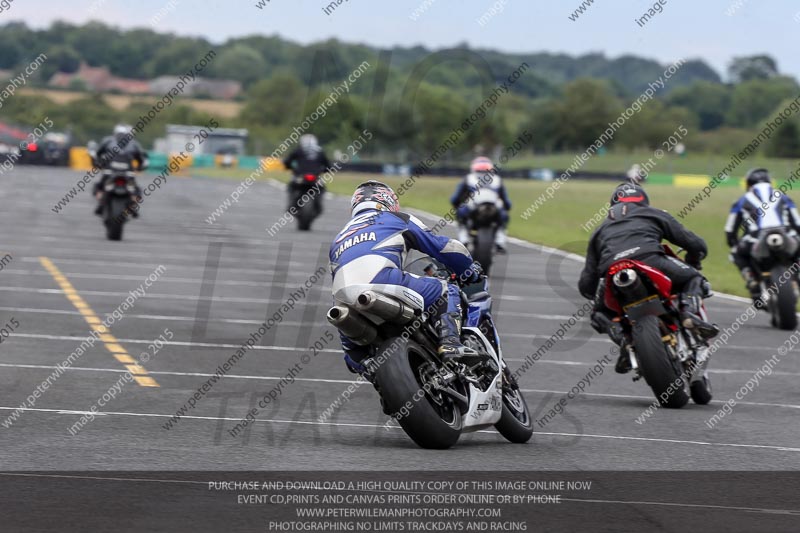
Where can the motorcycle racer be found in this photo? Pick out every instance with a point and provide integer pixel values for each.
(482, 174)
(761, 207)
(371, 248)
(635, 230)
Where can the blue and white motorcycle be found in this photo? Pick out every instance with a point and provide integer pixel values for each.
(433, 402)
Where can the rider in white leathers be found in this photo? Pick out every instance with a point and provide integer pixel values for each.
(483, 183)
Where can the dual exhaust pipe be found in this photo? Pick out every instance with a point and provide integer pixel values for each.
(350, 321)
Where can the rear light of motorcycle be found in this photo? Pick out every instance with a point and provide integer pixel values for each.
(621, 265)
(32, 147)
(121, 182)
(310, 177)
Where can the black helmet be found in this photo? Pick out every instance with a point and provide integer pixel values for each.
(757, 175)
(629, 193)
(374, 195)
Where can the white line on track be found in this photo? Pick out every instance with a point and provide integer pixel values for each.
(336, 351)
(352, 382)
(175, 318)
(153, 295)
(232, 299)
(373, 426)
(691, 506)
(103, 478)
(174, 343)
(254, 253)
(181, 318)
(123, 277)
(193, 264)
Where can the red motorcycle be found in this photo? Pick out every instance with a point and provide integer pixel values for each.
(659, 347)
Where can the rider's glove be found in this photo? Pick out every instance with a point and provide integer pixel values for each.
(473, 273)
(694, 262)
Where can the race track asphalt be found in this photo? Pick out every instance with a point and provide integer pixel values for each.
(221, 280)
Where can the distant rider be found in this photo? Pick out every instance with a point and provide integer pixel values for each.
(635, 230)
(371, 248)
(760, 208)
(482, 174)
(117, 153)
(307, 158)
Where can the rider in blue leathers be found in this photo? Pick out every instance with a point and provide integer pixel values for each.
(761, 207)
(482, 174)
(371, 249)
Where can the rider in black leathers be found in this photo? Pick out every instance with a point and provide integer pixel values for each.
(307, 158)
(118, 153)
(635, 230)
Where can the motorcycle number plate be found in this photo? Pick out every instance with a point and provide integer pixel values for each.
(641, 302)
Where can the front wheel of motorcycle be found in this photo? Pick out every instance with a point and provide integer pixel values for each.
(658, 368)
(515, 422)
(431, 419)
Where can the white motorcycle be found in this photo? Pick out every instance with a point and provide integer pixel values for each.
(433, 402)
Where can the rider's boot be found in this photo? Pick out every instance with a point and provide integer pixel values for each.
(752, 284)
(449, 328)
(692, 318)
(500, 240)
(463, 234)
(450, 347)
(602, 324)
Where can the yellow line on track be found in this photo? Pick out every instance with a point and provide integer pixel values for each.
(104, 334)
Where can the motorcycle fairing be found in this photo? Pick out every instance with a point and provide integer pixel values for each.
(485, 407)
(662, 283)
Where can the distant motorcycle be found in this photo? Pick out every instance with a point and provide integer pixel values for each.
(660, 348)
(119, 197)
(307, 212)
(775, 253)
(434, 403)
(482, 223)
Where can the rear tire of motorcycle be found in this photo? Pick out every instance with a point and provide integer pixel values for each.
(115, 220)
(306, 216)
(398, 384)
(510, 426)
(785, 302)
(484, 242)
(701, 391)
(656, 366)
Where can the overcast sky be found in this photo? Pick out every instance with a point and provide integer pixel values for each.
(685, 29)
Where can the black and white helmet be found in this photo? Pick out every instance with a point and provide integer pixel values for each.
(757, 175)
(374, 195)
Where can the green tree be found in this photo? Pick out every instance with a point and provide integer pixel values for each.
(654, 124)
(179, 56)
(753, 101)
(10, 51)
(60, 58)
(709, 101)
(761, 67)
(584, 112)
(277, 100)
(785, 142)
(239, 62)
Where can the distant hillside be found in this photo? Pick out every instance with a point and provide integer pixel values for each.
(145, 54)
